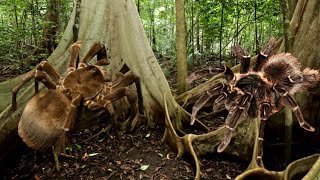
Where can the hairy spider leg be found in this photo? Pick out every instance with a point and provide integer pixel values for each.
(289, 100)
(48, 69)
(215, 90)
(102, 58)
(264, 54)
(68, 123)
(236, 112)
(95, 49)
(264, 112)
(74, 57)
(212, 70)
(243, 56)
(76, 99)
(102, 101)
(126, 80)
(37, 74)
(260, 61)
(218, 104)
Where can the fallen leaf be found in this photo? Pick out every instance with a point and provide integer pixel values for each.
(85, 156)
(93, 154)
(144, 167)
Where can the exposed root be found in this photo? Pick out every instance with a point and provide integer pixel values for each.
(305, 168)
(181, 145)
(196, 145)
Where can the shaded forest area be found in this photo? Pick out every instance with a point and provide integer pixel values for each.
(182, 37)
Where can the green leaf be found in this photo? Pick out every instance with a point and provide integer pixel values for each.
(78, 146)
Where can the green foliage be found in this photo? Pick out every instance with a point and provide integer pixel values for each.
(22, 23)
(158, 17)
(21, 31)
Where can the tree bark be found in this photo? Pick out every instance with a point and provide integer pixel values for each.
(305, 39)
(181, 47)
(51, 26)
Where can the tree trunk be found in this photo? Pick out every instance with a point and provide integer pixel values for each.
(198, 31)
(220, 30)
(181, 47)
(51, 26)
(305, 39)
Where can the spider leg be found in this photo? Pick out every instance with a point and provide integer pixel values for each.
(216, 89)
(128, 79)
(38, 75)
(68, 123)
(264, 54)
(264, 111)
(102, 58)
(74, 57)
(218, 104)
(289, 100)
(212, 70)
(48, 69)
(243, 56)
(235, 116)
(105, 101)
(96, 48)
(121, 92)
(75, 102)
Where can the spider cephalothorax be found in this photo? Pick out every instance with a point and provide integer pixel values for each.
(51, 113)
(258, 92)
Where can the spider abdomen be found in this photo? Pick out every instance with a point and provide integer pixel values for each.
(281, 66)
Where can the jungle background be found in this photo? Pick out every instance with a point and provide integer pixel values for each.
(31, 30)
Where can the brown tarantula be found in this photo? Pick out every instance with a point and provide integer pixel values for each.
(51, 113)
(261, 91)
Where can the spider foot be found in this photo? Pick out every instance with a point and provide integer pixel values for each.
(307, 127)
(226, 140)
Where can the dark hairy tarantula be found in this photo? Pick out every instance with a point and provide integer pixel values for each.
(258, 92)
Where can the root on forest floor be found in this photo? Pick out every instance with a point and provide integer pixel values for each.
(196, 145)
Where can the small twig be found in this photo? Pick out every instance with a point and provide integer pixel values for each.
(103, 130)
(56, 160)
(68, 156)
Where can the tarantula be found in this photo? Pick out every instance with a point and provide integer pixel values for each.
(51, 113)
(258, 92)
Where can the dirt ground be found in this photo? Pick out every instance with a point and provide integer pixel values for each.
(140, 155)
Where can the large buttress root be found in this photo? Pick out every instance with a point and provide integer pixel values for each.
(193, 145)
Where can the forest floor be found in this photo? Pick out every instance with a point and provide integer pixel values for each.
(139, 155)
